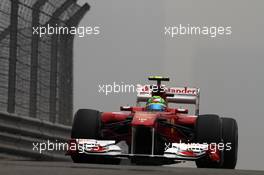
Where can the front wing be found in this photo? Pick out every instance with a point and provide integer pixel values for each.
(173, 151)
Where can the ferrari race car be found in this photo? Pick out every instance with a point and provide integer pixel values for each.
(157, 133)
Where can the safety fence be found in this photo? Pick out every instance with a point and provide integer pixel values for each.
(36, 72)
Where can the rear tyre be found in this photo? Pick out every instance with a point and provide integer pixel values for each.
(208, 130)
(230, 137)
(87, 125)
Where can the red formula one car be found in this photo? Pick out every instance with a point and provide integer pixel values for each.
(155, 135)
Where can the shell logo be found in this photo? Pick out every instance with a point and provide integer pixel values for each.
(142, 119)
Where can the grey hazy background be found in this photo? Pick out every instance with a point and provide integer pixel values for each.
(131, 46)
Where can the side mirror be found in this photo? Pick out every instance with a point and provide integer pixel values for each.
(125, 108)
(182, 111)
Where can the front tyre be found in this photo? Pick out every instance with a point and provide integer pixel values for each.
(87, 125)
(208, 130)
(230, 138)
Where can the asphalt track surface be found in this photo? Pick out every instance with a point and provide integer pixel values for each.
(69, 168)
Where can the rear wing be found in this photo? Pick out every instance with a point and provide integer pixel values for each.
(181, 95)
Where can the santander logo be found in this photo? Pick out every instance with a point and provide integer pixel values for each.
(181, 90)
(172, 90)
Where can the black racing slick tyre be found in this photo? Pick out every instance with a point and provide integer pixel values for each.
(230, 138)
(208, 130)
(87, 125)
